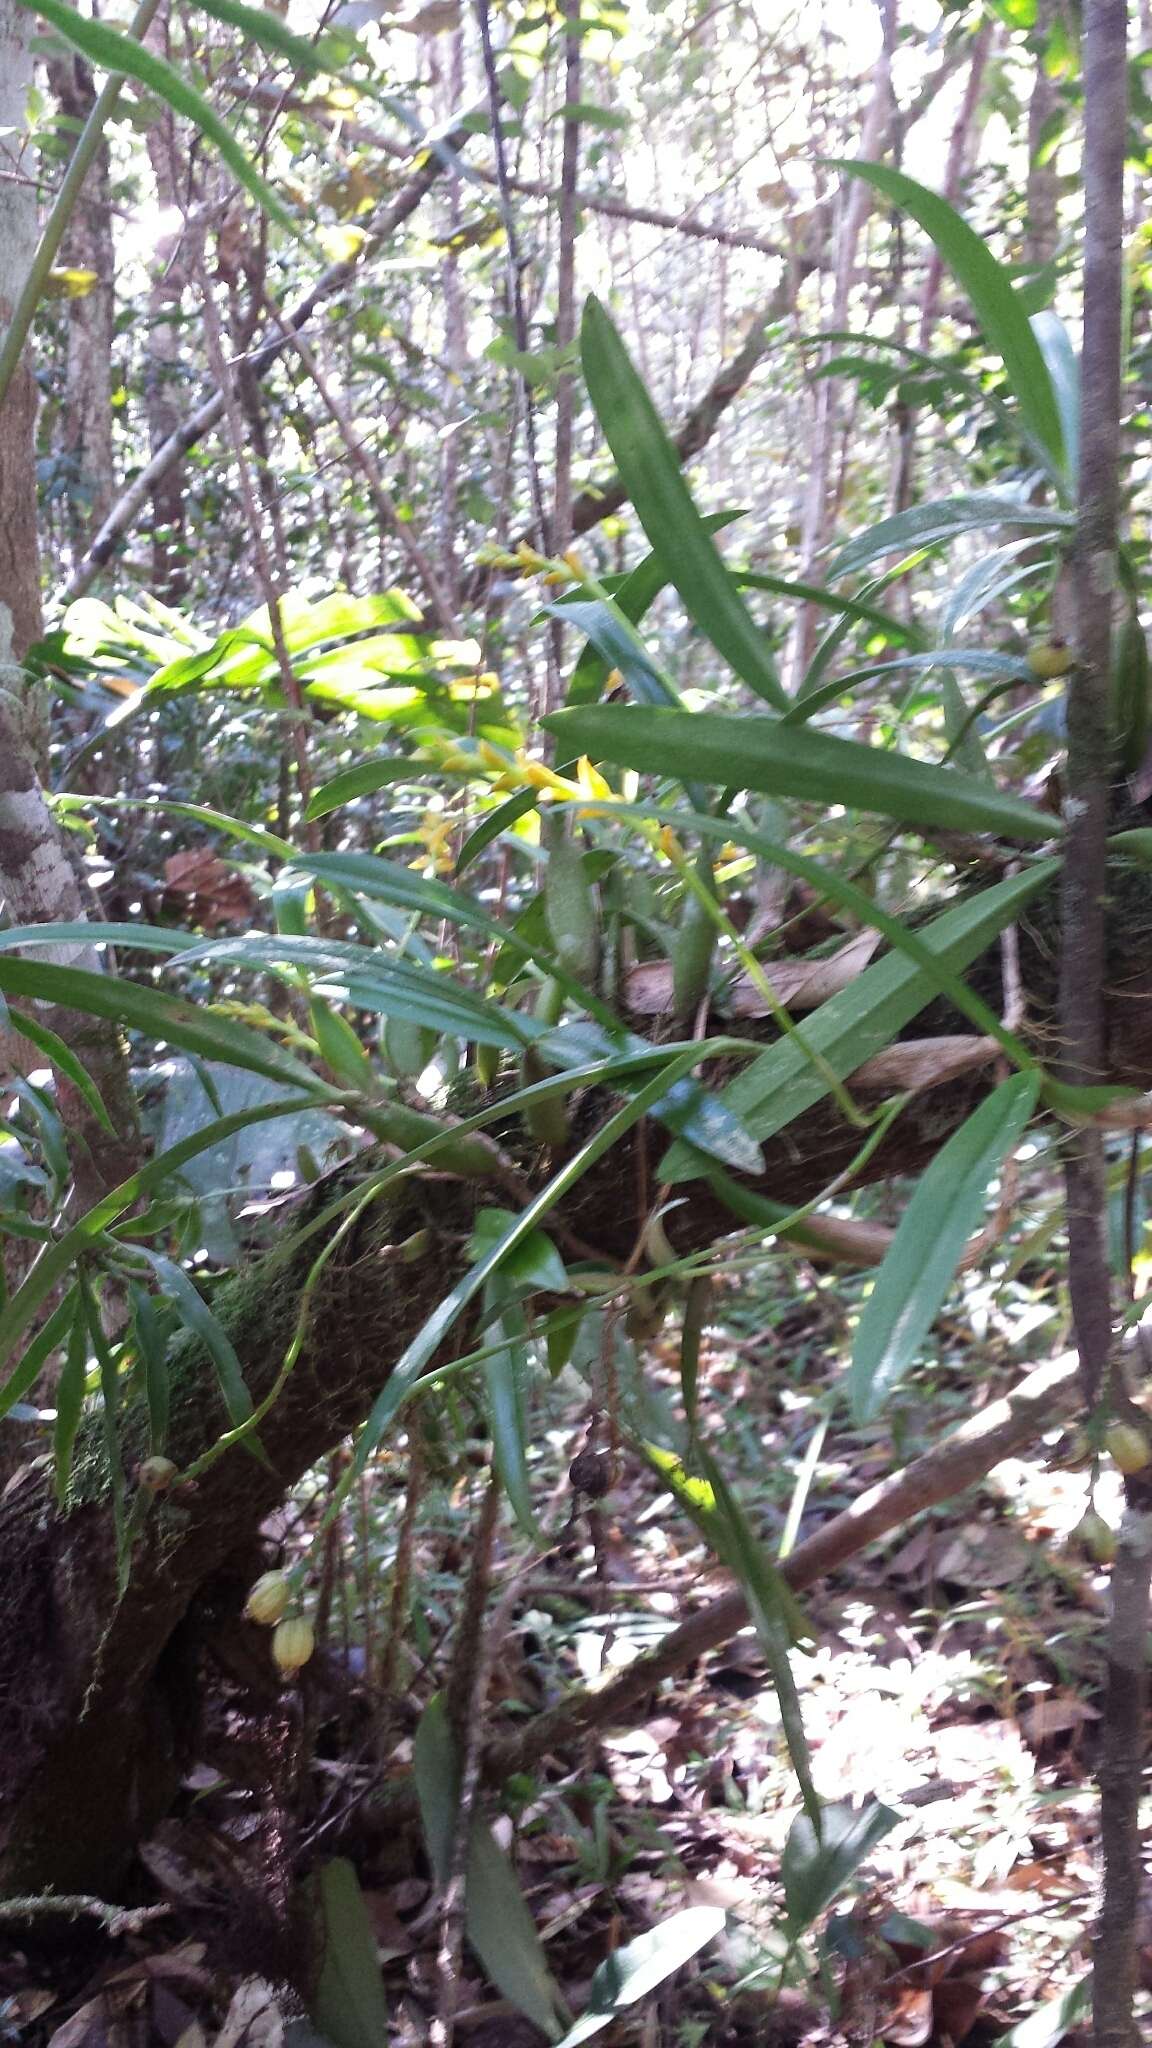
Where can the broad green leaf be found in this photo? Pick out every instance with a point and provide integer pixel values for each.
(188, 1025)
(534, 1267)
(941, 519)
(349, 2005)
(921, 1262)
(997, 307)
(815, 1867)
(498, 1923)
(631, 1972)
(862, 1019)
(652, 476)
(120, 54)
(793, 761)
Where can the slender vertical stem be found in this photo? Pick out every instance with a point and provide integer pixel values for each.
(1082, 971)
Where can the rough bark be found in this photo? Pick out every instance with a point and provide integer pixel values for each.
(86, 440)
(19, 545)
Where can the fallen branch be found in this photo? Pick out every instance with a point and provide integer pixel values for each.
(966, 1455)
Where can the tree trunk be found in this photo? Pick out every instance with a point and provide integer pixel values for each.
(19, 546)
(87, 434)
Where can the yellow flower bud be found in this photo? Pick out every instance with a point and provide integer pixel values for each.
(156, 1474)
(669, 844)
(293, 1644)
(1052, 658)
(1127, 1446)
(268, 1598)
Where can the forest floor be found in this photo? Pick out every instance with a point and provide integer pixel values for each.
(952, 1673)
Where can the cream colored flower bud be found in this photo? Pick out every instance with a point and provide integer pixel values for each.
(293, 1644)
(268, 1598)
(156, 1474)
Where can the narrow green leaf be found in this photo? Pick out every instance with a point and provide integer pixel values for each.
(70, 1388)
(793, 761)
(997, 307)
(921, 1261)
(650, 467)
(51, 1334)
(188, 1025)
(498, 1923)
(112, 51)
(862, 1019)
(423, 1347)
(942, 519)
(773, 1608)
(64, 1060)
(194, 1312)
(632, 597)
(59, 1258)
(349, 2006)
(505, 1382)
(363, 780)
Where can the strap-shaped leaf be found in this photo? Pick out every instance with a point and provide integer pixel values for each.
(651, 471)
(793, 761)
(921, 1261)
(995, 302)
(941, 519)
(112, 51)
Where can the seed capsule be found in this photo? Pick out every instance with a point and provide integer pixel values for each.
(1093, 1533)
(268, 1598)
(293, 1644)
(1127, 1446)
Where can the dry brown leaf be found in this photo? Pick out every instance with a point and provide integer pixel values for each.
(923, 1062)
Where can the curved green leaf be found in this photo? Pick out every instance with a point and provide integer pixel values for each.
(651, 471)
(119, 54)
(997, 307)
(921, 1261)
(942, 519)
